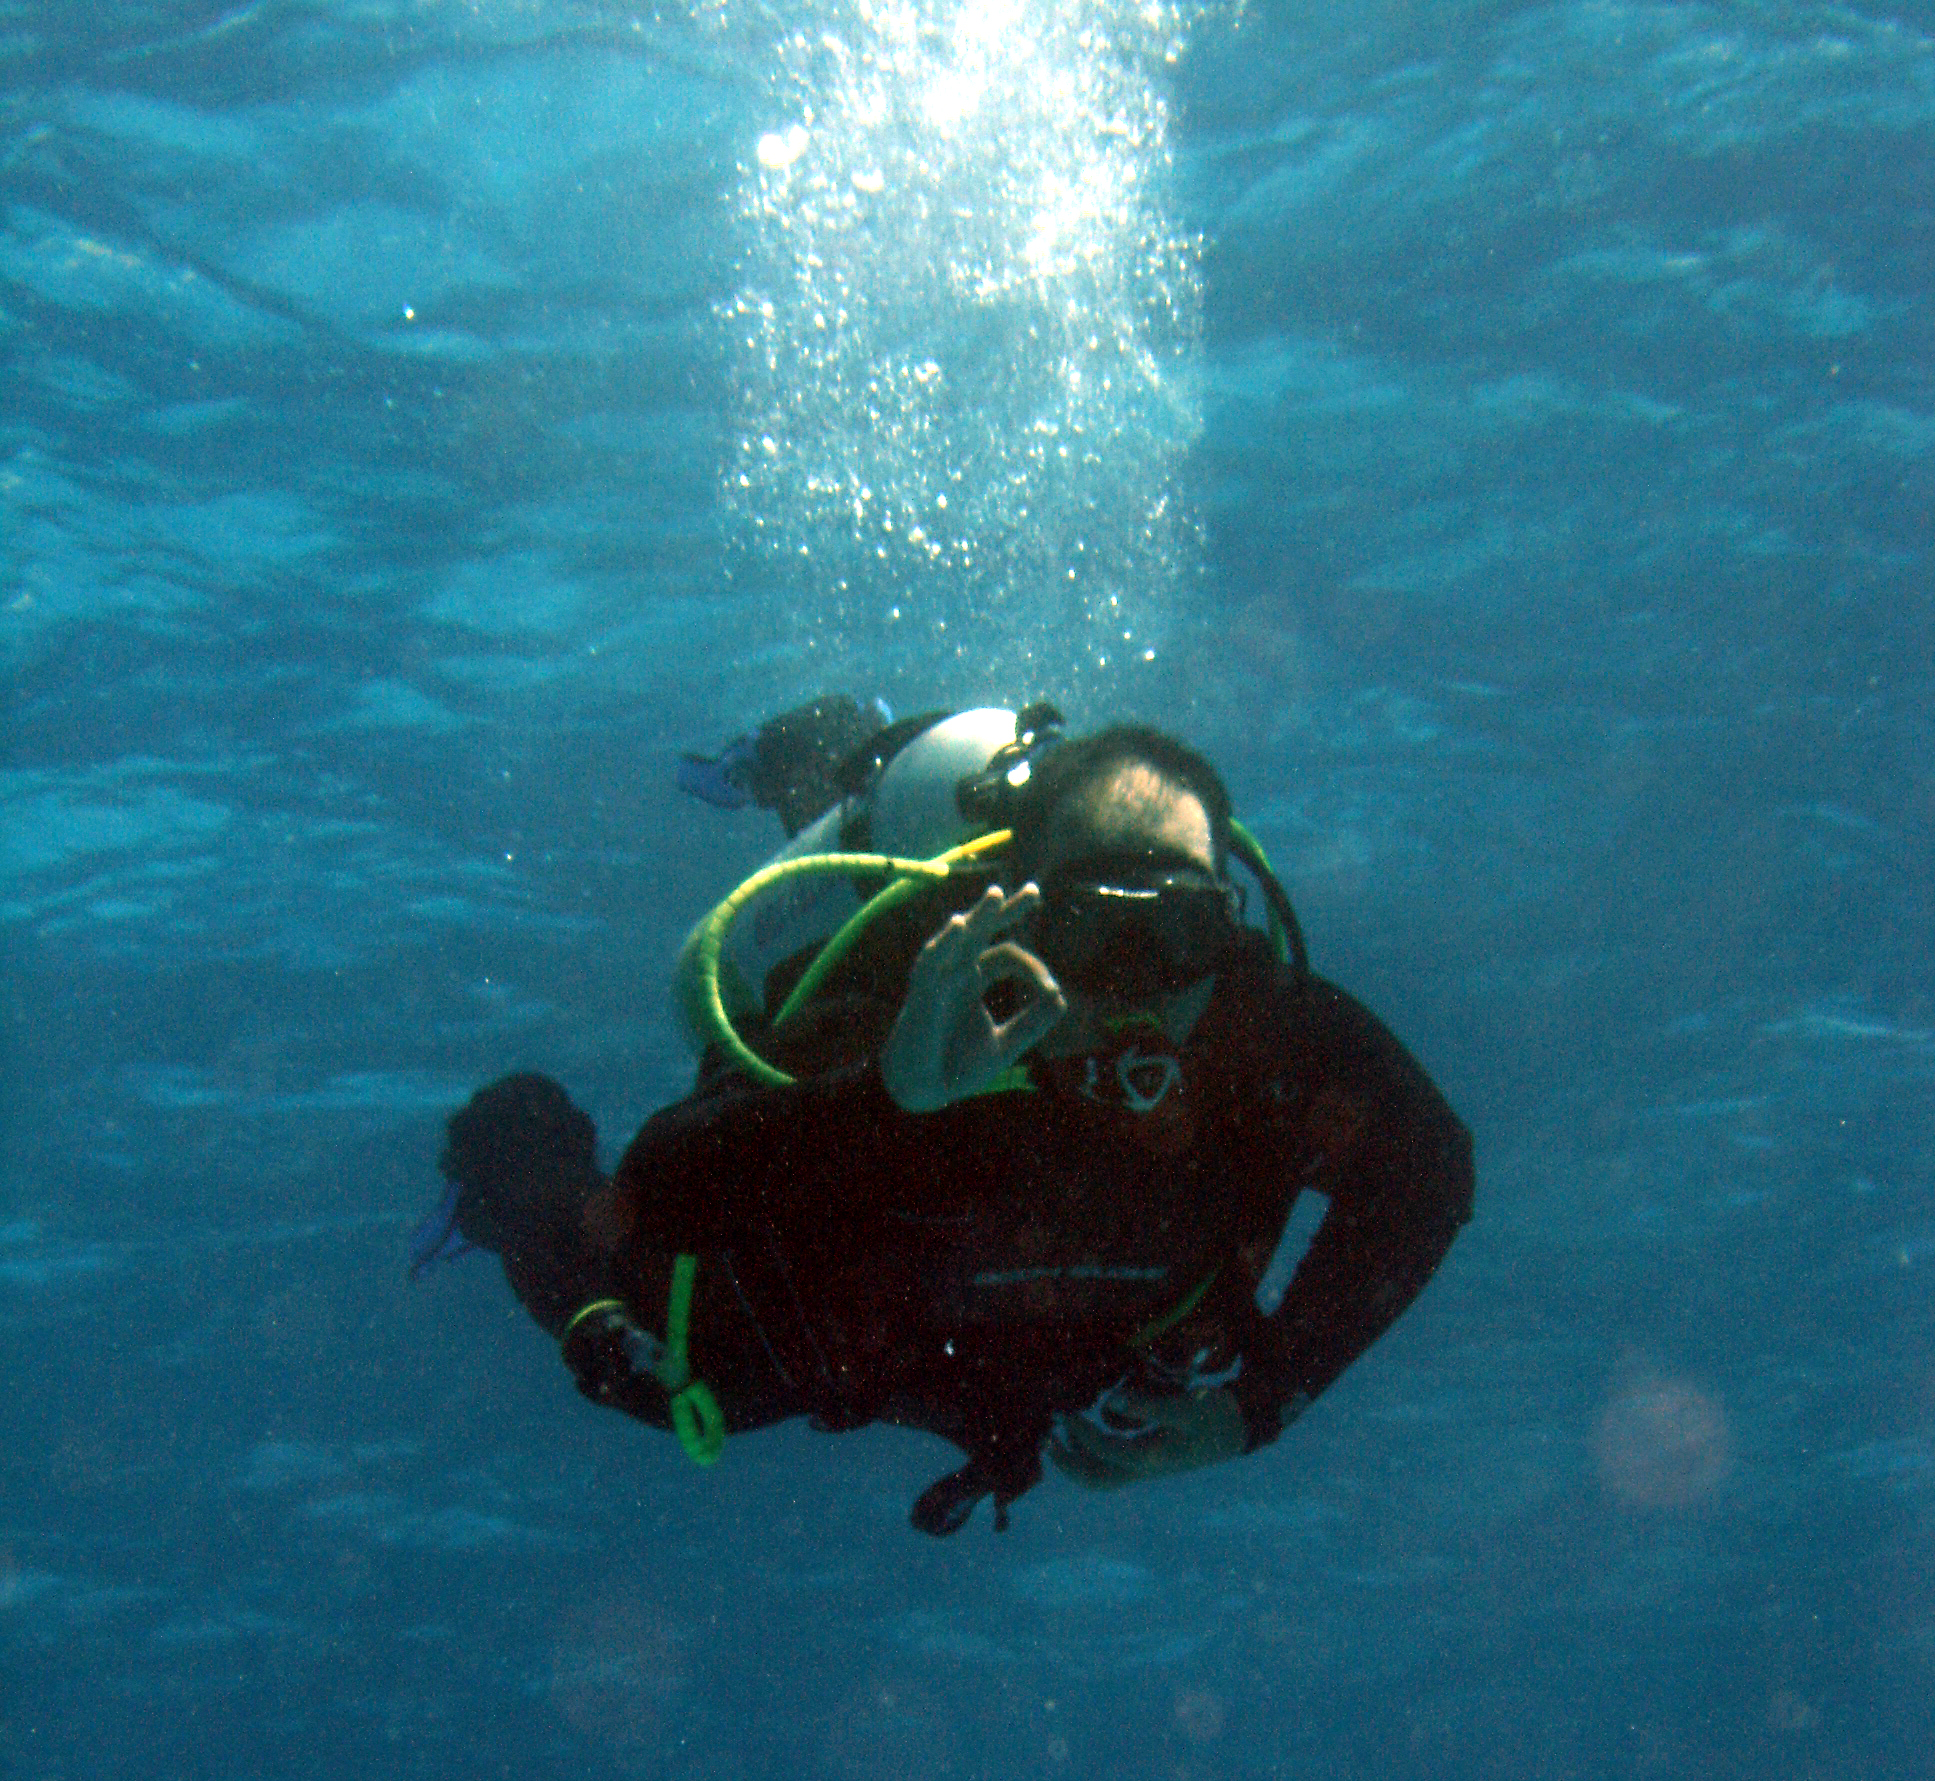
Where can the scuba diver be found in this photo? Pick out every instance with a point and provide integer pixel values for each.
(1005, 1120)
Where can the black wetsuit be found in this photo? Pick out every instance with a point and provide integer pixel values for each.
(978, 1270)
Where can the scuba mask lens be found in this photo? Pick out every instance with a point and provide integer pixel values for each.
(1137, 936)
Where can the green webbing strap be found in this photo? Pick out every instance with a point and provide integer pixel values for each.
(696, 1417)
(699, 1423)
(674, 1365)
(1013, 1080)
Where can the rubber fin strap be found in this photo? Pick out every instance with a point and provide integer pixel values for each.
(696, 1417)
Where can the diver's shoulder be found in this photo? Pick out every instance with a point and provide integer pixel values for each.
(1302, 1010)
(1257, 978)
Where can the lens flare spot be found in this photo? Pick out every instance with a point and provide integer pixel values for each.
(1662, 1444)
(1199, 1715)
(620, 1673)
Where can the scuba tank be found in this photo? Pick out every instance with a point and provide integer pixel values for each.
(906, 806)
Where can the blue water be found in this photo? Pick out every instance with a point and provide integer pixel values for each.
(1503, 436)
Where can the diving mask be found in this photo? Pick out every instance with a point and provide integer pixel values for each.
(1131, 930)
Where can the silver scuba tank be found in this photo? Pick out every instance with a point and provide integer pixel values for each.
(911, 811)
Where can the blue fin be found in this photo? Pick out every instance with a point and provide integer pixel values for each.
(720, 779)
(437, 1238)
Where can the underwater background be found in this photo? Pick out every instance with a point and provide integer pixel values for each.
(1502, 435)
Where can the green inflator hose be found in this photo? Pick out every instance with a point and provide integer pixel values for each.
(708, 946)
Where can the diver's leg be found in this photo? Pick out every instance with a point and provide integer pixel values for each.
(793, 763)
(523, 1162)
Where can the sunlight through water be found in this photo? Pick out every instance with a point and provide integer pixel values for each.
(966, 338)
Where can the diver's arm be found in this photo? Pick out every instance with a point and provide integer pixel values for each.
(1400, 1182)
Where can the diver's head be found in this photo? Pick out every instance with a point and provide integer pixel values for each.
(1126, 832)
(1114, 787)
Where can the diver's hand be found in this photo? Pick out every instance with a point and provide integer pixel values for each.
(614, 1361)
(1178, 1433)
(945, 1045)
